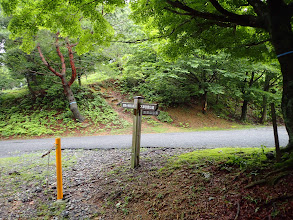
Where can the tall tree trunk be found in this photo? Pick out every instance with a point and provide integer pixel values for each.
(264, 113)
(204, 102)
(266, 88)
(243, 116)
(244, 107)
(79, 75)
(32, 92)
(79, 80)
(72, 103)
(282, 39)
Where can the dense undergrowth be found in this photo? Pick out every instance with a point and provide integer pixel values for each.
(49, 113)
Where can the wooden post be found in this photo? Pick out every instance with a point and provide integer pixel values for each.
(137, 113)
(59, 169)
(274, 120)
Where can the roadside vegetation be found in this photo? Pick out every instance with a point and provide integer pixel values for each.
(226, 183)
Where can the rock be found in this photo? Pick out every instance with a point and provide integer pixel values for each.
(38, 190)
(65, 214)
(206, 175)
(25, 200)
(270, 155)
(14, 173)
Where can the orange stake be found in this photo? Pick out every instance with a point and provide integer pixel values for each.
(59, 169)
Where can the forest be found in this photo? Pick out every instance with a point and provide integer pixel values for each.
(66, 67)
(235, 79)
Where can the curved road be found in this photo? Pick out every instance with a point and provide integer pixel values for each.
(203, 139)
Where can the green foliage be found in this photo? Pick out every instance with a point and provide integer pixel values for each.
(81, 20)
(7, 81)
(185, 33)
(50, 114)
(170, 83)
(164, 117)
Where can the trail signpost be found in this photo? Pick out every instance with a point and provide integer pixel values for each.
(139, 109)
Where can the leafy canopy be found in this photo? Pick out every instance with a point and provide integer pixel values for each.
(185, 32)
(82, 20)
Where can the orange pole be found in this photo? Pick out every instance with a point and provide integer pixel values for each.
(59, 169)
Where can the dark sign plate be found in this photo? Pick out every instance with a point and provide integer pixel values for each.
(148, 112)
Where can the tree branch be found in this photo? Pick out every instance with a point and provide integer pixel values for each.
(259, 7)
(176, 12)
(253, 81)
(46, 63)
(243, 20)
(43, 74)
(256, 43)
(72, 64)
(290, 7)
(153, 38)
(63, 71)
(220, 9)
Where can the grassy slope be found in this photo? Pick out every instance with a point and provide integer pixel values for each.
(50, 116)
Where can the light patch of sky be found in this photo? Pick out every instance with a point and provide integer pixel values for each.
(2, 46)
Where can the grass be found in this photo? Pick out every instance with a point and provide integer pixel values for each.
(104, 73)
(21, 176)
(243, 158)
(14, 93)
(31, 167)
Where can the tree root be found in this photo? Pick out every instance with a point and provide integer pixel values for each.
(284, 197)
(280, 176)
(271, 180)
(238, 211)
(276, 171)
(259, 182)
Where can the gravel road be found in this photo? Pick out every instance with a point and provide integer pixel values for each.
(204, 139)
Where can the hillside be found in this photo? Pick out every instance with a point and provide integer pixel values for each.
(44, 117)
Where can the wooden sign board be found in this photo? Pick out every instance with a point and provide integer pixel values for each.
(145, 109)
(150, 107)
(147, 112)
(129, 105)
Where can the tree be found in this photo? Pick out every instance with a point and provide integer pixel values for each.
(214, 25)
(18, 64)
(62, 75)
(81, 22)
(247, 85)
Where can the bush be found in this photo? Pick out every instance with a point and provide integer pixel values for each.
(164, 117)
